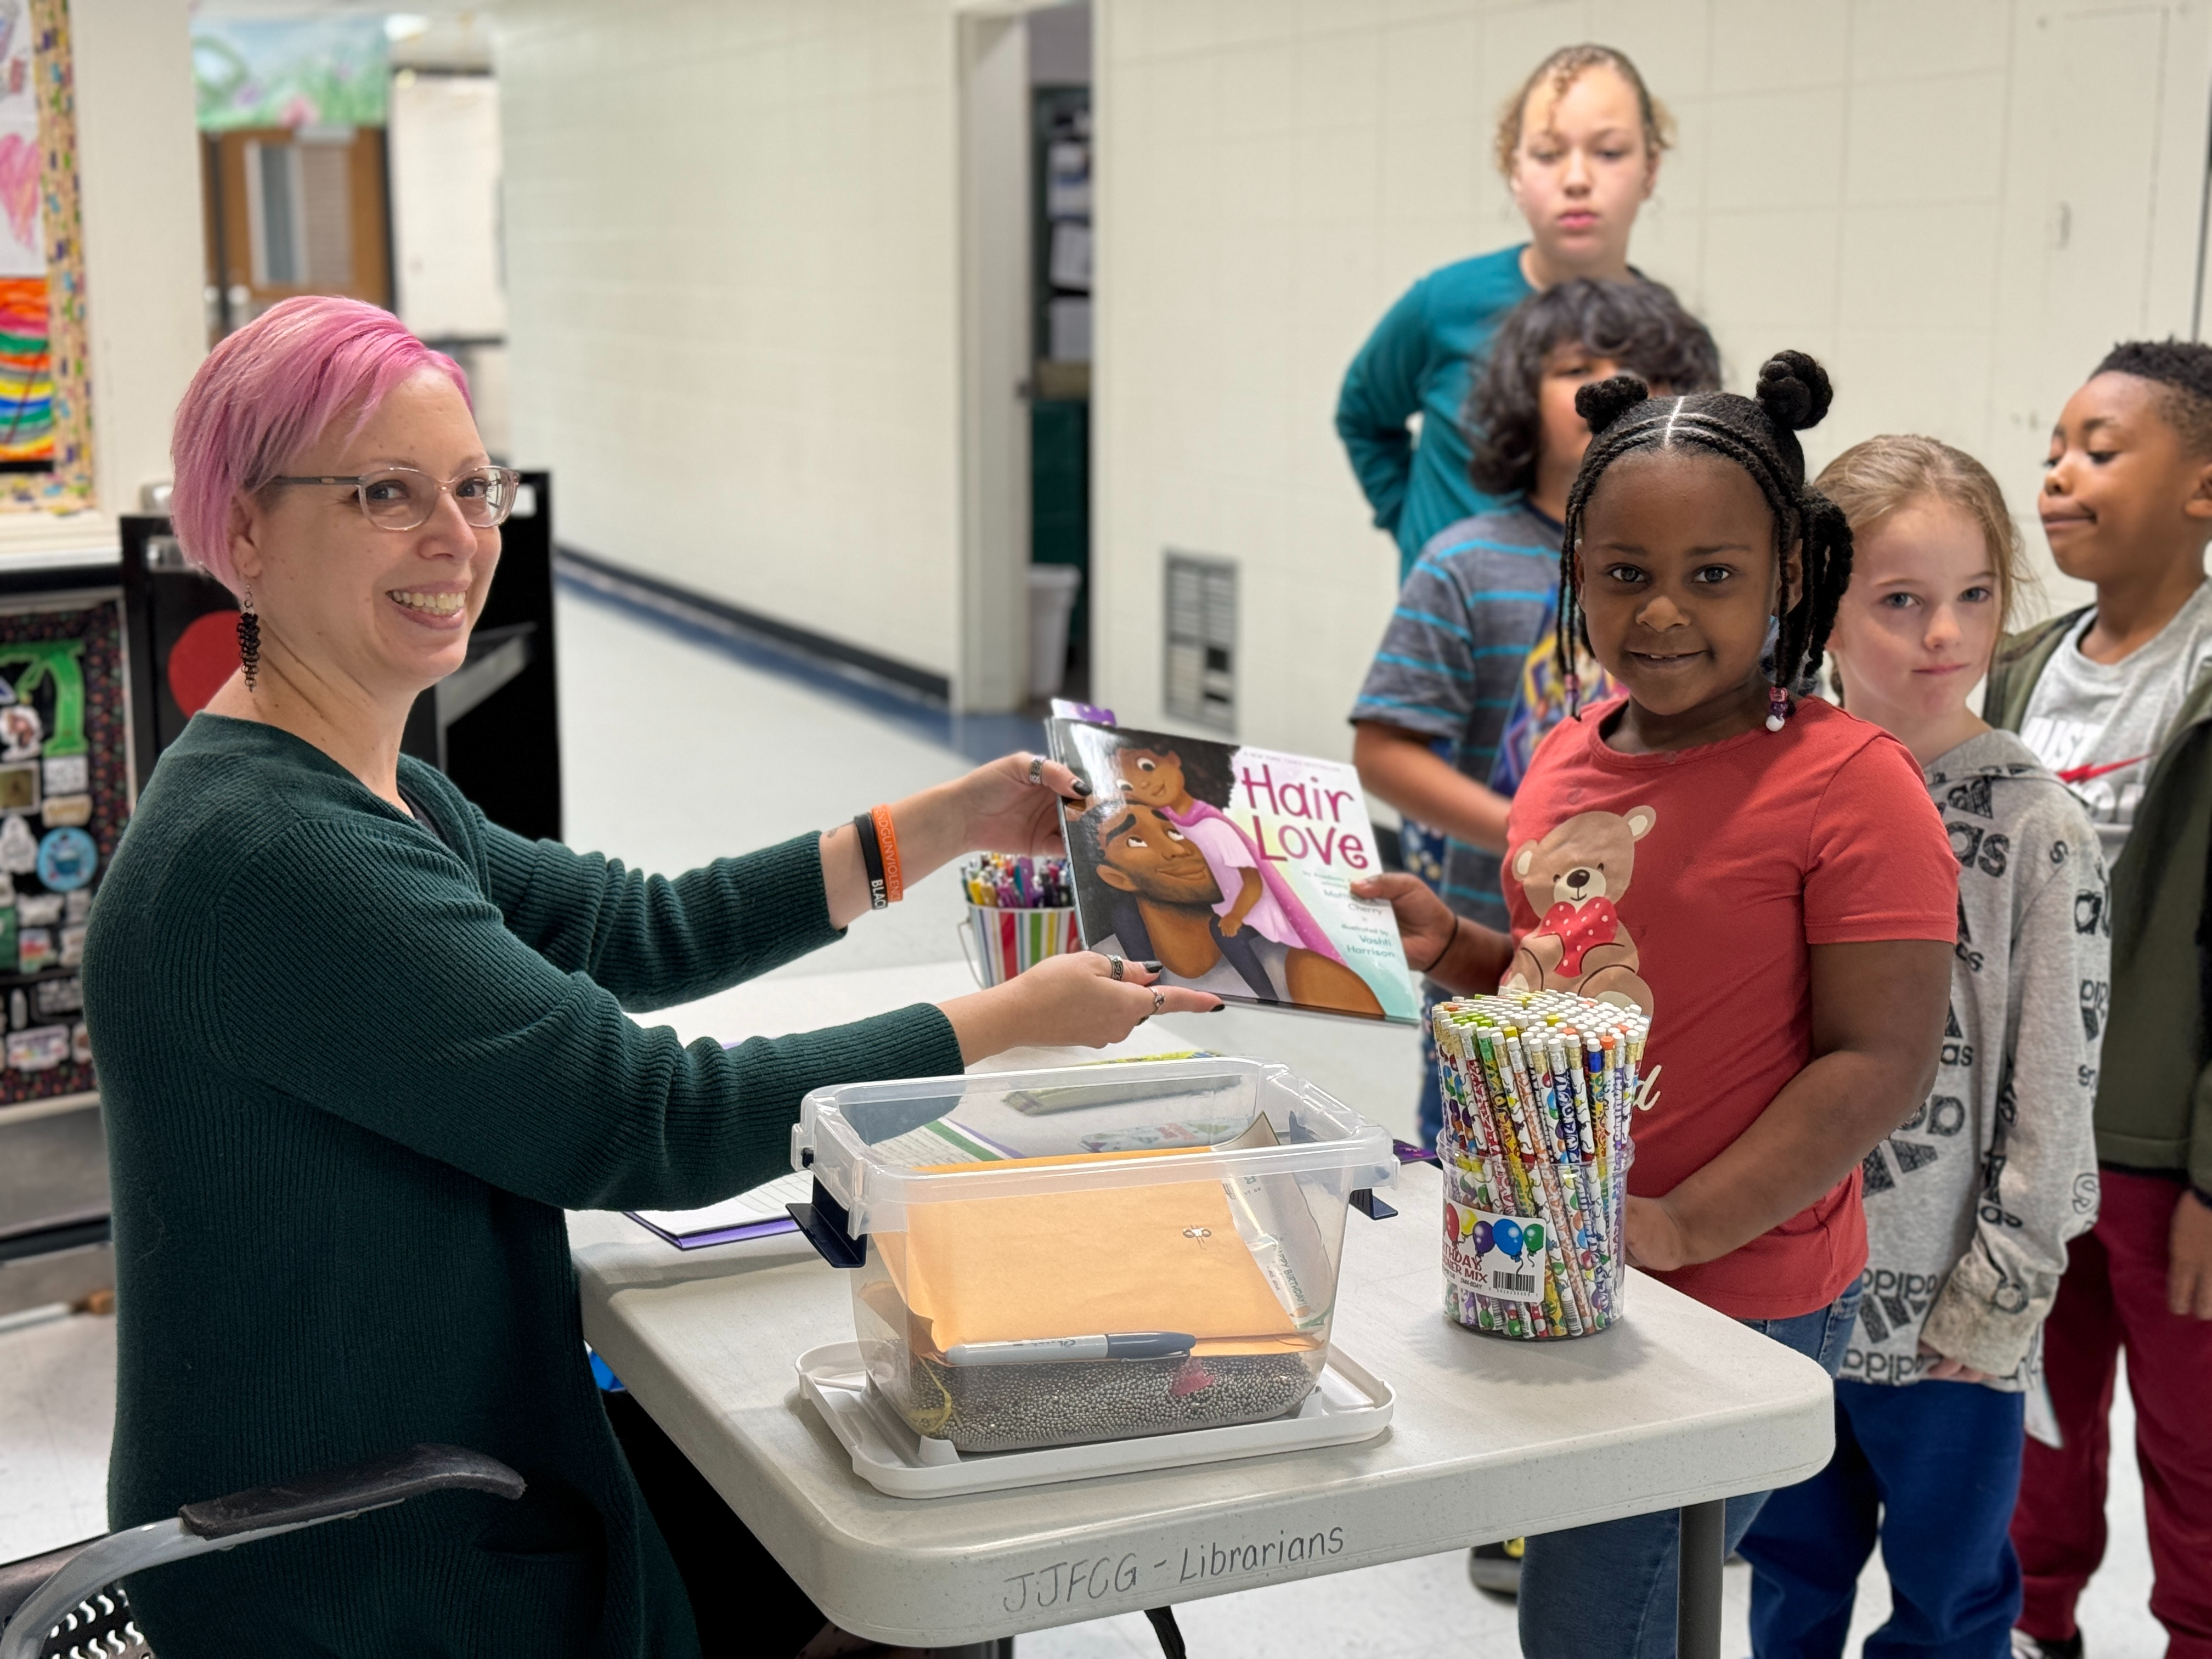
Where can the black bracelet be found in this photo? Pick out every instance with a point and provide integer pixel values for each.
(872, 860)
(1450, 941)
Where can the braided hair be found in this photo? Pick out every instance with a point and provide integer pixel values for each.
(1759, 434)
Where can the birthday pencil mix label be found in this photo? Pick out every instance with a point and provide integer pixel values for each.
(1540, 1090)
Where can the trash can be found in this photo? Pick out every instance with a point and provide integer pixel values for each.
(1053, 588)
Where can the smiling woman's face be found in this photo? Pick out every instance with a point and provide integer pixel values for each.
(386, 612)
(1677, 579)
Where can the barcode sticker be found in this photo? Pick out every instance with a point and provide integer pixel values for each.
(1494, 1254)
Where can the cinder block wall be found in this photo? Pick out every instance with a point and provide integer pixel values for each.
(731, 262)
(1957, 205)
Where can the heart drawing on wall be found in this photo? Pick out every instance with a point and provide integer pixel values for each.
(19, 188)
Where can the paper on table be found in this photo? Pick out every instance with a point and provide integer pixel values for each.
(1004, 1269)
(939, 1141)
(762, 1211)
(750, 1214)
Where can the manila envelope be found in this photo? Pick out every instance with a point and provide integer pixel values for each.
(1083, 1263)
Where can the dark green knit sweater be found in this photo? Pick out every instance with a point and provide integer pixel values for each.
(353, 1072)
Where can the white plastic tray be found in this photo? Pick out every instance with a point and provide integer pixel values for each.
(1349, 1404)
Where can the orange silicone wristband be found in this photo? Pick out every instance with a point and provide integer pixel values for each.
(887, 838)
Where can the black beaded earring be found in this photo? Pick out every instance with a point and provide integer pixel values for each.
(249, 639)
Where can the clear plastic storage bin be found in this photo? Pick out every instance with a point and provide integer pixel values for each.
(1046, 1258)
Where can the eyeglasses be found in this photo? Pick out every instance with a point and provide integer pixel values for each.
(404, 498)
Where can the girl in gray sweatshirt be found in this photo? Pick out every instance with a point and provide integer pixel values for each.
(1970, 1202)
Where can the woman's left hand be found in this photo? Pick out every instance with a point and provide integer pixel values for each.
(1013, 805)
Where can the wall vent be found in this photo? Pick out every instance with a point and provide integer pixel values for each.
(1200, 657)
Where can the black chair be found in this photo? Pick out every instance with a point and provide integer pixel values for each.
(67, 1602)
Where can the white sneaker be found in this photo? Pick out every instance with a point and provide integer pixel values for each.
(2024, 1646)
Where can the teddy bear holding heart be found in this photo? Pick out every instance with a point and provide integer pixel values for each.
(1574, 879)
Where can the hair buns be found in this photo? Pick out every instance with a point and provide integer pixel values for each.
(1603, 402)
(1794, 391)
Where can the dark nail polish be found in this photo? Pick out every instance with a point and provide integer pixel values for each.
(1082, 785)
(1150, 967)
(1219, 1008)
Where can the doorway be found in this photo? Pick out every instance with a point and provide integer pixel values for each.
(1026, 299)
(293, 210)
(1061, 236)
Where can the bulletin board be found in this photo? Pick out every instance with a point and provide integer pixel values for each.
(64, 797)
(45, 418)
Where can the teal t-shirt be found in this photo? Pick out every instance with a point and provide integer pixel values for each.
(1421, 359)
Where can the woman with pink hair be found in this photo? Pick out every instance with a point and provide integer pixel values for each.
(359, 1048)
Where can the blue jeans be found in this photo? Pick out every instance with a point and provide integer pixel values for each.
(1608, 1591)
(1931, 1468)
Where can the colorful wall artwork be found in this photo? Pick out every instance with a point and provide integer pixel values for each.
(27, 375)
(290, 72)
(46, 422)
(64, 796)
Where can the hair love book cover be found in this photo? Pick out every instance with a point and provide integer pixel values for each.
(1232, 867)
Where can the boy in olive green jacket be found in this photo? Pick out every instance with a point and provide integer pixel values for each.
(2116, 698)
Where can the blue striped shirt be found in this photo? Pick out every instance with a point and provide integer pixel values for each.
(1476, 599)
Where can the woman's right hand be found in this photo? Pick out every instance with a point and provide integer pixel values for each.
(1072, 1000)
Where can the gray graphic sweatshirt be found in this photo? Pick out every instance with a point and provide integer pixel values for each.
(1970, 1203)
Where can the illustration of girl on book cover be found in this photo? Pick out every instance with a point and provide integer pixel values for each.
(1258, 926)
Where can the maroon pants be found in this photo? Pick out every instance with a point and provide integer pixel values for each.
(2113, 1296)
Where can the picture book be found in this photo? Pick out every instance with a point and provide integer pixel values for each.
(1232, 867)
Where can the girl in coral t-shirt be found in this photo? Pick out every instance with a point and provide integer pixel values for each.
(1766, 876)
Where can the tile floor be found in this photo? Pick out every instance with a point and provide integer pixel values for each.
(719, 750)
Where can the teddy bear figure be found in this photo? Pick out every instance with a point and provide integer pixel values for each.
(1574, 878)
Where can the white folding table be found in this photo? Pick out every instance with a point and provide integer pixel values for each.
(1678, 1407)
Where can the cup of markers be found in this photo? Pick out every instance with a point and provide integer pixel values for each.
(1540, 1090)
(1020, 910)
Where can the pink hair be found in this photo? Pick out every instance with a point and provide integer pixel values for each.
(271, 390)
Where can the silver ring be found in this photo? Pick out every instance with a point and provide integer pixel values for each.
(1159, 1000)
(1036, 768)
(1113, 966)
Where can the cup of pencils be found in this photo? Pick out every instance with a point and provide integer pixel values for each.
(1539, 1090)
(1020, 910)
